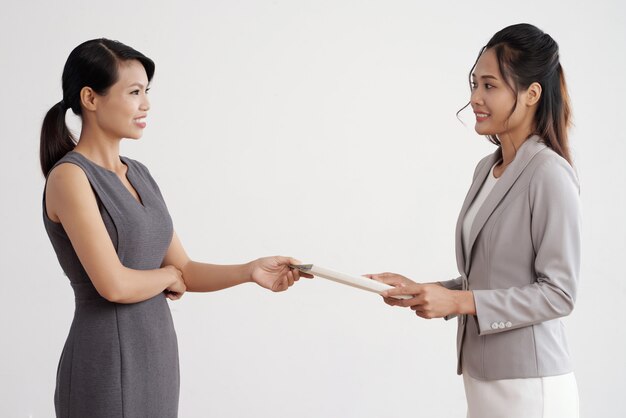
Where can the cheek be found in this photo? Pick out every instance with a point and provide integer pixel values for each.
(123, 110)
(501, 106)
(115, 118)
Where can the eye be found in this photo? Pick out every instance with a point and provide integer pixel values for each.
(488, 86)
(135, 92)
(473, 85)
(147, 90)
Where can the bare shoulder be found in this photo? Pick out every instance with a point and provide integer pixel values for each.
(67, 188)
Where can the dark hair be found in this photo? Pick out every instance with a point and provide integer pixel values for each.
(526, 55)
(91, 64)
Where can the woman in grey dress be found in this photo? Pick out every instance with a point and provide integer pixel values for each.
(113, 236)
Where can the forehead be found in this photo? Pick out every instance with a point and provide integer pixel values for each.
(130, 72)
(487, 64)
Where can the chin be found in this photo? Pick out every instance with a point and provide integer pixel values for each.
(135, 136)
(481, 131)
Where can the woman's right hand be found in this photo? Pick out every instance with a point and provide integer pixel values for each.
(395, 280)
(175, 290)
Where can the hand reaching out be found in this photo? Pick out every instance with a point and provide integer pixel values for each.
(274, 273)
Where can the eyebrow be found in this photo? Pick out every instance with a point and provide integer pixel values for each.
(491, 77)
(138, 85)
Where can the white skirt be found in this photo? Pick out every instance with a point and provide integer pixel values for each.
(540, 397)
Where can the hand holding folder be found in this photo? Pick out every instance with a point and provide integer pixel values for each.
(359, 282)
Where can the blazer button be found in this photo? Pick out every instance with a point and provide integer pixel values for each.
(494, 325)
(508, 324)
(501, 325)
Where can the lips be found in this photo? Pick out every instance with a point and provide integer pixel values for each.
(481, 116)
(140, 122)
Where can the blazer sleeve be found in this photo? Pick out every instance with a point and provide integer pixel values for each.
(454, 284)
(555, 232)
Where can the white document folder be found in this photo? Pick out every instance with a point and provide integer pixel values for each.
(359, 282)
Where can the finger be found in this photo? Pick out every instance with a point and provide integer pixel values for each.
(376, 277)
(423, 314)
(414, 289)
(280, 285)
(408, 302)
(418, 309)
(391, 301)
(292, 261)
(388, 278)
(419, 306)
(296, 275)
(290, 278)
(279, 262)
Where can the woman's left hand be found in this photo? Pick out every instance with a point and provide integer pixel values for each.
(274, 273)
(430, 300)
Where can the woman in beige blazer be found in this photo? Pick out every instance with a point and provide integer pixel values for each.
(517, 238)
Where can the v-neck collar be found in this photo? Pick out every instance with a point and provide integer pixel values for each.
(525, 154)
(139, 200)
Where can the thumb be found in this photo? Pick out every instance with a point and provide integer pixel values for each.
(390, 279)
(293, 261)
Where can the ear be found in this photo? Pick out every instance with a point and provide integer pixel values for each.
(533, 94)
(88, 98)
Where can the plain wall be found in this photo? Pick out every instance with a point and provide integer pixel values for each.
(323, 130)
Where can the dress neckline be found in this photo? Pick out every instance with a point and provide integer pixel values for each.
(129, 173)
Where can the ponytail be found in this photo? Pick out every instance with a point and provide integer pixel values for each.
(56, 139)
(556, 121)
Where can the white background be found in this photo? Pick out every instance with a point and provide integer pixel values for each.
(324, 130)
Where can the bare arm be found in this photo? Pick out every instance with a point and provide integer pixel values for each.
(203, 277)
(71, 201)
(271, 272)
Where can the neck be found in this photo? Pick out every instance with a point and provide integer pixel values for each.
(510, 144)
(100, 148)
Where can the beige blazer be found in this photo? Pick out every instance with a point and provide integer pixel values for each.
(522, 266)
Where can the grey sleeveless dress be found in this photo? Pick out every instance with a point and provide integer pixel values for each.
(119, 360)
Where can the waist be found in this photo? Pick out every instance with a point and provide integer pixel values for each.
(84, 291)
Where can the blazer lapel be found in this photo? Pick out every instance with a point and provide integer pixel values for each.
(471, 195)
(525, 154)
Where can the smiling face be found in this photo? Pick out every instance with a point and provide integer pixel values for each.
(121, 113)
(493, 100)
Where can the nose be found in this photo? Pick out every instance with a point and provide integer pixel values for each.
(476, 97)
(145, 103)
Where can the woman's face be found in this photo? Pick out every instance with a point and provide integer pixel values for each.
(121, 113)
(492, 101)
